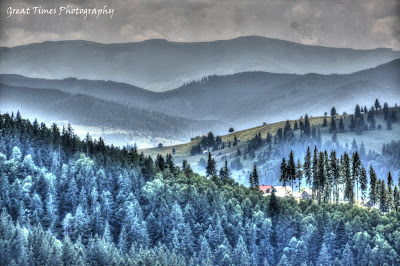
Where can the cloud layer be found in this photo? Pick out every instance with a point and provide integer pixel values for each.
(359, 24)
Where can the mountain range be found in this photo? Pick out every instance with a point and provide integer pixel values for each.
(241, 100)
(160, 65)
(122, 122)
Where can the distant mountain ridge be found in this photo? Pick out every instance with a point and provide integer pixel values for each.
(244, 99)
(52, 105)
(160, 65)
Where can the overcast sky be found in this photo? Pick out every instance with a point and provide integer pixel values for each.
(359, 24)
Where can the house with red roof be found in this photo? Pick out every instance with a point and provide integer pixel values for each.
(266, 188)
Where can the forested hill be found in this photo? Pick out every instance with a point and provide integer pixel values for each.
(372, 133)
(243, 100)
(53, 105)
(85, 203)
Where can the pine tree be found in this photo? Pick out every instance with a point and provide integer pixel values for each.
(325, 123)
(383, 201)
(324, 258)
(256, 182)
(347, 259)
(352, 124)
(286, 129)
(333, 128)
(307, 128)
(307, 167)
(211, 166)
(356, 171)
(396, 199)
(390, 191)
(386, 111)
(357, 112)
(348, 180)
(284, 175)
(291, 170)
(315, 172)
(296, 126)
(373, 192)
(377, 105)
(363, 183)
(283, 261)
(299, 173)
(335, 175)
(341, 125)
(333, 112)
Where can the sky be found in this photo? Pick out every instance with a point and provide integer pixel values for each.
(357, 24)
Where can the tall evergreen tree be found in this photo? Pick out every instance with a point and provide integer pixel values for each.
(307, 167)
(284, 175)
(333, 127)
(341, 125)
(307, 127)
(211, 169)
(373, 187)
(299, 173)
(291, 169)
(256, 182)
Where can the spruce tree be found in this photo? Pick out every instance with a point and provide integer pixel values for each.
(284, 176)
(377, 105)
(352, 124)
(383, 201)
(291, 170)
(333, 128)
(356, 164)
(307, 167)
(333, 112)
(256, 182)
(396, 199)
(390, 191)
(386, 111)
(363, 183)
(341, 125)
(348, 180)
(296, 126)
(307, 127)
(299, 173)
(373, 191)
(286, 129)
(211, 166)
(325, 122)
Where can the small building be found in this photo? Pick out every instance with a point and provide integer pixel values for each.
(283, 192)
(264, 123)
(266, 188)
(205, 152)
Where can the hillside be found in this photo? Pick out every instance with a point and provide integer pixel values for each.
(242, 100)
(372, 141)
(161, 65)
(117, 123)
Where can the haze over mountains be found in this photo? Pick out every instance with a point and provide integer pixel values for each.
(241, 100)
(160, 65)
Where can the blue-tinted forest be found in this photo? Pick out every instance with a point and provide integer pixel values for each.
(66, 201)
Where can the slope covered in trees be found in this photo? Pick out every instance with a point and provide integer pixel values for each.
(85, 203)
(54, 105)
(243, 99)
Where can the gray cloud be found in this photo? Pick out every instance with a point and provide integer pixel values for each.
(360, 24)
